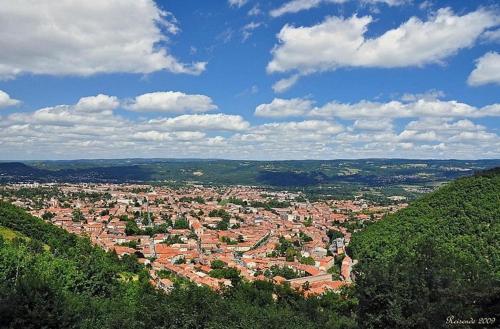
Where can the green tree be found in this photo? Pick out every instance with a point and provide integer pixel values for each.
(77, 215)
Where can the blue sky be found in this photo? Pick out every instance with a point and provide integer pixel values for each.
(372, 78)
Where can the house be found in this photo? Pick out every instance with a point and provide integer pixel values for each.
(165, 284)
(346, 268)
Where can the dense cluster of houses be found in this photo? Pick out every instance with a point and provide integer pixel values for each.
(179, 234)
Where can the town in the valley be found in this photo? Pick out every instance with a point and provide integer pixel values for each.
(211, 235)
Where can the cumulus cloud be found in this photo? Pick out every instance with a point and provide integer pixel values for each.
(97, 103)
(396, 109)
(217, 121)
(340, 42)
(91, 127)
(426, 137)
(171, 102)
(87, 37)
(487, 70)
(6, 100)
(416, 105)
(287, 140)
(445, 131)
(317, 127)
(428, 95)
(284, 108)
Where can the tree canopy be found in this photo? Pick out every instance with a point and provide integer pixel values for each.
(439, 257)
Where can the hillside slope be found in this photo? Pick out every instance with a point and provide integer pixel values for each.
(440, 257)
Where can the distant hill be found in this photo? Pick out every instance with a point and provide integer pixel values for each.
(19, 172)
(439, 257)
(11, 170)
(283, 174)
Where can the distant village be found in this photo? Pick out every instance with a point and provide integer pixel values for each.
(212, 235)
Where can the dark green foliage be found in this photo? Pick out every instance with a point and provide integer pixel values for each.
(284, 271)
(308, 222)
(220, 213)
(230, 273)
(131, 228)
(236, 201)
(152, 230)
(224, 223)
(172, 239)
(307, 260)
(130, 244)
(48, 215)
(228, 240)
(181, 223)
(304, 237)
(77, 215)
(217, 264)
(334, 234)
(439, 257)
(286, 248)
(269, 204)
(181, 260)
(197, 199)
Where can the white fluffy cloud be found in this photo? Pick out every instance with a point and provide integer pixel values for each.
(341, 42)
(396, 109)
(284, 108)
(429, 95)
(86, 37)
(6, 100)
(171, 102)
(487, 70)
(97, 103)
(219, 121)
(92, 127)
(425, 106)
(316, 127)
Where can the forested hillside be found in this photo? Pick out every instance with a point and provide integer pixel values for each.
(52, 279)
(440, 257)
